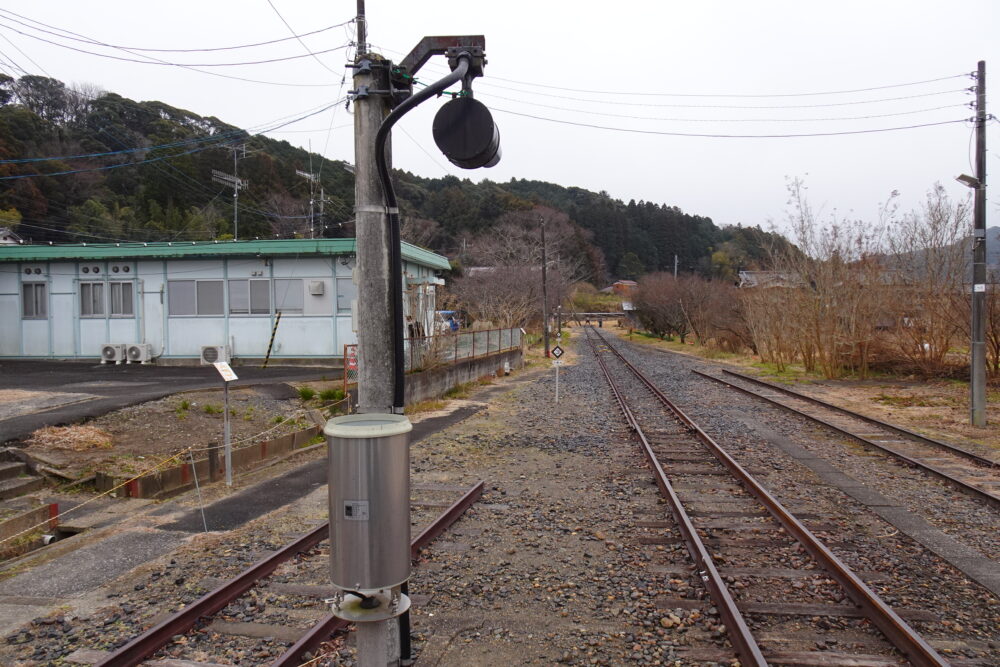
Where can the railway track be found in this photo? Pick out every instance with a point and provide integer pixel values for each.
(725, 516)
(302, 568)
(972, 473)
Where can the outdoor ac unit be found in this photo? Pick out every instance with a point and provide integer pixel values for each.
(317, 287)
(213, 353)
(141, 353)
(112, 353)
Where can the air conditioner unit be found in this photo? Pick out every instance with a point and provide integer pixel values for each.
(213, 353)
(139, 354)
(113, 353)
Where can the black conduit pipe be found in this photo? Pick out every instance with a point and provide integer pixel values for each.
(396, 269)
(395, 251)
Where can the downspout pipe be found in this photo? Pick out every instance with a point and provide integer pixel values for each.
(395, 249)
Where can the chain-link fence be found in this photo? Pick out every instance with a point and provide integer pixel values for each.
(350, 367)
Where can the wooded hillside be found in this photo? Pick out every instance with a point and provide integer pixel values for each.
(85, 165)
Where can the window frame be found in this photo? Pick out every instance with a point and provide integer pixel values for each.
(35, 301)
(121, 284)
(250, 311)
(300, 311)
(195, 303)
(89, 287)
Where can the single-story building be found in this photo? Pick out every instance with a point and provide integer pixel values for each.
(172, 300)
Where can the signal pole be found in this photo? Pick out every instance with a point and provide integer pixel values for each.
(978, 371)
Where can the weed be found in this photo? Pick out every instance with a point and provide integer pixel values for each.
(306, 393)
(248, 415)
(328, 395)
(277, 419)
(185, 404)
(424, 406)
(211, 409)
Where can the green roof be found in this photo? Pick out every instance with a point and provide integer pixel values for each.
(205, 249)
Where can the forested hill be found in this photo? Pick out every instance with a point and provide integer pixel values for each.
(88, 165)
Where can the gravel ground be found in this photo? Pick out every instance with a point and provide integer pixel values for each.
(549, 567)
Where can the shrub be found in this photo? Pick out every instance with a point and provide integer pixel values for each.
(306, 393)
(329, 395)
(212, 409)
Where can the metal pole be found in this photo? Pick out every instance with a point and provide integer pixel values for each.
(362, 28)
(545, 295)
(978, 368)
(236, 199)
(557, 381)
(225, 434)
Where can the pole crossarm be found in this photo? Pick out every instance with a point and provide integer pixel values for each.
(434, 46)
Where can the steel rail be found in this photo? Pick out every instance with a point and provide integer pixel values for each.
(739, 634)
(914, 647)
(150, 641)
(961, 485)
(954, 449)
(329, 624)
(155, 638)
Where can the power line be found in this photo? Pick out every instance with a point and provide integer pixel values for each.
(40, 68)
(154, 60)
(308, 52)
(157, 61)
(725, 95)
(723, 120)
(726, 136)
(65, 34)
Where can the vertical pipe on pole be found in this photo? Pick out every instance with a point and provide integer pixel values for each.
(978, 362)
(545, 295)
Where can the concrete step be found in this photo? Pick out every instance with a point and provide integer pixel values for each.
(18, 486)
(11, 469)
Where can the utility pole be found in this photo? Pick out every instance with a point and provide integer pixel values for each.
(375, 288)
(312, 178)
(545, 295)
(978, 370)
(236, 183)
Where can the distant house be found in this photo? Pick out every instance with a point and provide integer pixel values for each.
(621, 287)
(768, 279)
(171, 300)
(8, 237)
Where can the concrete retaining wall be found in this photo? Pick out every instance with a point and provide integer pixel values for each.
(436, 381)
(44, 514)
(182, 477)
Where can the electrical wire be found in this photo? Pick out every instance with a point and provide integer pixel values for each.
(157, 61)
(40, 68)
(308, 51)
(154, 60)
(725, 136)
(66, 34)
(721, 120)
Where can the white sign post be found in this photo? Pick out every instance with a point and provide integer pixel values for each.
(557, 362)
(227, 376)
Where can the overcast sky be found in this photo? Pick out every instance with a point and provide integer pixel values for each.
(656, 69)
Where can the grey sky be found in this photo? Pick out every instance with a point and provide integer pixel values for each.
(542, 54)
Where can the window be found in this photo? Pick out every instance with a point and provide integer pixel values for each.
(347, 291)
(250, 297)
(121, 299)
(35, 306)
(210, 299)
(180, 296)
(195, 297)
(288, 295)
(92, 299)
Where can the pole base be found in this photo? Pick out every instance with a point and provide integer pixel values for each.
(391, 603)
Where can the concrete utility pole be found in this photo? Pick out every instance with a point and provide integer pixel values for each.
(375, 288)
(545, 294)
(978, 370)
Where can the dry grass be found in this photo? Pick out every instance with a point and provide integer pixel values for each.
(73, 438)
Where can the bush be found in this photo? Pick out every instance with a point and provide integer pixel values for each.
(212, 409)
(330, 395)
(307, 393)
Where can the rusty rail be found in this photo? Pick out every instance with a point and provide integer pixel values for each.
(329, 624)
(961, 485)
(159, 635)
(912, 645)
(740, 635)
(155, 638)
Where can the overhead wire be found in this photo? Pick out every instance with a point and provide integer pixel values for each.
(65, 34)
(308, 51)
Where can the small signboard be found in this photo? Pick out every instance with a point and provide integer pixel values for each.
(225, 371)
(352, 358)
(557, 352)
(557, 362)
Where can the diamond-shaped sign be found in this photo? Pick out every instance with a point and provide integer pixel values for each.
(557, 352)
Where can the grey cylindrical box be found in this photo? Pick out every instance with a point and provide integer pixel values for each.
(369, 489)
